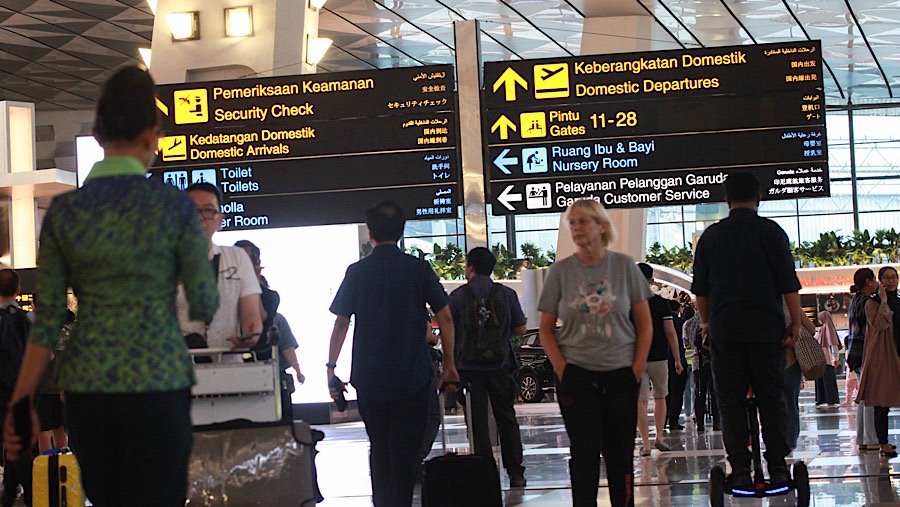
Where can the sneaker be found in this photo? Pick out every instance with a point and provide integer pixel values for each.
(676, 427)
(741, 479)
(779, 474)
(517, 480)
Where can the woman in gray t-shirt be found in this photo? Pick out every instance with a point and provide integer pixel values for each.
(598, 353)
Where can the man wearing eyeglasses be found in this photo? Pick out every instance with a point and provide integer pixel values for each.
(237, 323)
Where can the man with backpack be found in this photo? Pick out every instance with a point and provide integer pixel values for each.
(15, 324)
(485, 315)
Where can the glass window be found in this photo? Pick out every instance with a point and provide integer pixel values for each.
(790, 226)
(707, 212)
(841, 200)
(664, 214)
(497, 239)
(496, 223)
(668, 235)
(878, 220)
(877, 149)
(544, 240)
(812, 226)
(778, 208)
(424, 234)
(878, 195)
(838, 132)
(543, 221)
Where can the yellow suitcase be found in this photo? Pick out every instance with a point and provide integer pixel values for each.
(56, 481)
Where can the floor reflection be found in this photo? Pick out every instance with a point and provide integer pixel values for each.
(840, 474)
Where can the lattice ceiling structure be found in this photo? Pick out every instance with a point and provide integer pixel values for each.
(57, 53)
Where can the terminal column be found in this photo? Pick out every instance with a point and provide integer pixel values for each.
(618, 26)
(276, 47)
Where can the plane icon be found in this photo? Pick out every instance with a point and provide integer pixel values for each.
(548, 73)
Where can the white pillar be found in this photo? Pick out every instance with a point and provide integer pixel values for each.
(17, 155)
(620, 31)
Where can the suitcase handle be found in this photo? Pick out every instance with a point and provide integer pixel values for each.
(465, 390)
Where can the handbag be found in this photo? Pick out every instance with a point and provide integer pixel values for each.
(810, 355)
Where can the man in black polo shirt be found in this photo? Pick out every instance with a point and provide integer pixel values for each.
(742, 269)
(656, 373)
(391, 369)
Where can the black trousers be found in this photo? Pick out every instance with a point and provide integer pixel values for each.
(600, 413)
(19, 471)
(881, 424)
(736, 368)
(703, 387)
(433, 422)
(675, 398)
(499, 387)
(133, 448)
(395, 429)
(826, 387)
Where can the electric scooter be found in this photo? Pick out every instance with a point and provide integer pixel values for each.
(719, 485)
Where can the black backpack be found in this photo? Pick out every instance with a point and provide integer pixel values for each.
(484, 341)
(14, 329)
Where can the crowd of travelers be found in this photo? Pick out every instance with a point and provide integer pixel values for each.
(150, 282)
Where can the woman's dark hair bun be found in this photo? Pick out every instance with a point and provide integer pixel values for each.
(127, 106)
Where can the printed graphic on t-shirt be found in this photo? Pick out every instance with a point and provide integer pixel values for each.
(594, 301)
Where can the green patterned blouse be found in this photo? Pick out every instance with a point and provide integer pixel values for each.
(122, 243)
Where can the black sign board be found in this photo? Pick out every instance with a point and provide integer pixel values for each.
(315, 149)
(655, 129)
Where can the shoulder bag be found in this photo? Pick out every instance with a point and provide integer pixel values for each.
(810, 355)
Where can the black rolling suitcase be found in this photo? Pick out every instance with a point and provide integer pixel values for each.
(454, 480)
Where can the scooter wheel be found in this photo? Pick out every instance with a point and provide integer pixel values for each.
(717, 487)
(801, 483)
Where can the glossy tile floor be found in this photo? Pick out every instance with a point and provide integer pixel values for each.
(840, 475)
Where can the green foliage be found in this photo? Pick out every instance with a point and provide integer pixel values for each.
(832, 249)
(535, 258)
(506, 262)
(417, 252)
(449, 261)
(680, 258)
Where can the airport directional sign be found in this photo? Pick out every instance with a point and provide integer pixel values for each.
(613, 127)
(315, 149)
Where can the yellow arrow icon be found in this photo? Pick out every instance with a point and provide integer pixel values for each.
(504, 124)
(508, 80)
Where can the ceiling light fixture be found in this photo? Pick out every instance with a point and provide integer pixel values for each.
(145, 55)
(184, 25)
(316, 48)
(238, 21)
(317, 4)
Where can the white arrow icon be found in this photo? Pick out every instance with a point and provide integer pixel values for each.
(502, 161)
(505, 198)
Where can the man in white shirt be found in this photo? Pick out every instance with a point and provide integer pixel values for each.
(237, 323)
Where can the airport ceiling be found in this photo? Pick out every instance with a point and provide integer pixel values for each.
(57, 53)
